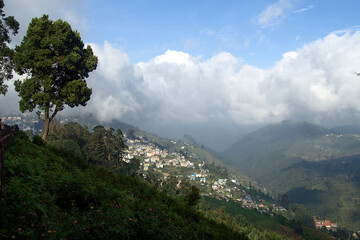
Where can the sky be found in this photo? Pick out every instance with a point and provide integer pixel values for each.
(212, 69)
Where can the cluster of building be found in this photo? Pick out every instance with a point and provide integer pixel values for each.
(25, 121)
(325, 223)
(153, 156)
(260, 206)
(222, 188)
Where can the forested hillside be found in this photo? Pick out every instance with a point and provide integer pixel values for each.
(52, 191)
(311, 164)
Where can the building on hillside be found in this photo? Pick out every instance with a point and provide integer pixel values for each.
(160, 165)
(146, 166)
(325, 223)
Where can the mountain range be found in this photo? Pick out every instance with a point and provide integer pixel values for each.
(313, 165)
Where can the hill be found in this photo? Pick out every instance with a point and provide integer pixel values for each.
(193, 151)
(302, 159)
(232, 210)
(274, 147)
(51, 192)
(347, 129)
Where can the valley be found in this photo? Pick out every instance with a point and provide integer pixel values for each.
(311, 165)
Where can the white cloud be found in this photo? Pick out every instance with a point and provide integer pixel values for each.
(304, 9)
(314, 83)
(351, 29)
(272, 15)
(116, 85)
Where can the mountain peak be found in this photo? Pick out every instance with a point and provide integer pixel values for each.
(291, 129)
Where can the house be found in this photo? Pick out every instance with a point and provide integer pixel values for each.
(222, 181)
(325, 223)
(183, 164)
(129, 156)
(203, 179)
(146, 166)
(159, 165)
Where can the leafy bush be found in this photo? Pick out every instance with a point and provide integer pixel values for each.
(38, 140)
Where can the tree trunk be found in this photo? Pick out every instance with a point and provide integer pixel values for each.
(47, 120)
(46, 128)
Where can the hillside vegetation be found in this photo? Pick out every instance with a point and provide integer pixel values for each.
(312, 164)
(52, 192)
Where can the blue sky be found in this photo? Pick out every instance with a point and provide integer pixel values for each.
(177, 67)
(145, 29)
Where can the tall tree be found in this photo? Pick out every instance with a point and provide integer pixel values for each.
(7, 24)
(105, 147)
(56, 63)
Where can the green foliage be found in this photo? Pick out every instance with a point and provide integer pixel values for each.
(51, 196)
(38, 140)
(6, 54)
(285, 201)
(104, 147)
(101, 147)
(73, 131)
(309, 163)
(193, 197)
(56, 63)
(258, 226)
(253, 224)
(303, 216)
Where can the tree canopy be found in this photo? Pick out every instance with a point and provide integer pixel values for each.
(7, 24)
(56, 63)
(105, 147)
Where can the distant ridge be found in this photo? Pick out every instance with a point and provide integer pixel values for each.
(314, 165)
(267, 148)
(347, 129)
(90, 121)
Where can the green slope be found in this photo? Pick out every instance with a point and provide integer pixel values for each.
(264, 222)
(52, 193)
(58, 197)
(310, 163)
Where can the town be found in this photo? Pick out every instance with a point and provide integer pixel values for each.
(211, 184)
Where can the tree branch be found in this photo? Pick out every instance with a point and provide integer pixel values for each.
(53, 115)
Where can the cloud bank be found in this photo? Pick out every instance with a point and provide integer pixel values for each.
(315, 83)
(176, 90)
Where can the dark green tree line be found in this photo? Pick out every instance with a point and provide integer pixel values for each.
(104, 147)
(7, 24)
